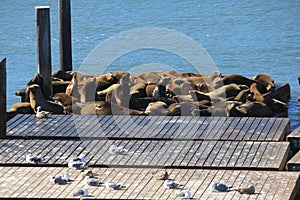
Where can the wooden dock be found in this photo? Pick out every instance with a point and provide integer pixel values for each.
(195, 151)
(33, 182)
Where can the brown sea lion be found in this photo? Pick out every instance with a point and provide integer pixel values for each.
(67, 101)
(242, 96)
(249, 109)
(87, 90)
(60, 74)
(255, 94)
(72, 88)
(156, 108)
(121, 94)
(239, 80)
(225, 91)
(298, 79)
(150, 88)
(139, 89)
(37, 99)
(265, 80)
(105, 108)
(19, 108)
(59, 86)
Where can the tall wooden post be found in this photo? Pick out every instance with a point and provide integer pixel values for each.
(65, 43)
(44, 47)
(3, 115)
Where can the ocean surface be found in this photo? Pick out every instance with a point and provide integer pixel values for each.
(245, 37)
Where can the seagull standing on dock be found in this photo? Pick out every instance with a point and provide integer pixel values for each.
(40, 114)
(113, 186)
(92, 181)
(34, 159)
(219, 187)
(114, 150)
(77, 163)
(60, 179)
(170, 184)
(184, 194)
(81, 192)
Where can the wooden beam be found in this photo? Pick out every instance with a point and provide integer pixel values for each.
(65, 44)
(3, 98)
(44, 47)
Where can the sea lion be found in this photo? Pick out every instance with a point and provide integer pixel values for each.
(150, 87)
(156, 108)
(121, 93)
(265, 80)
(87, 90)
(37, 99)
(160, 91)
(239, 80)
(173, 89)
(60, 74)
(67, 101)
(19, 108)
(255, 94)
(298, 79)
(242, 96)
(223, 92)
(249, 109)
(105, 108)
(139, 89)
(72, 88)
(60, 86)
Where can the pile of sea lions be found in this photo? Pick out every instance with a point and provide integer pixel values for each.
(152, 93)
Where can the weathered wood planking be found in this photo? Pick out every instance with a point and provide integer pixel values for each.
(294, 139)
(150, 127)
(294, 163)
(33, 182)
(170, 153)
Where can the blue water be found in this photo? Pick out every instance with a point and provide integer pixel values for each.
(246, 37)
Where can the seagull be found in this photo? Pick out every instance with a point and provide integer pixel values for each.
(246, 190)
(184, 194)
(60, 179)
(41, 113)
(113, 149)
(219, 187)
(92, 181)
(160, 175)
(113, 186)
(77, 163)
(81, 192)
(169, 184)
(34, 159)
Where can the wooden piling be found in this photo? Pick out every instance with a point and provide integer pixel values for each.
(65, 44)
(44, 47)
(3, 98)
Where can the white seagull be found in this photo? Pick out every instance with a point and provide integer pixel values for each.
(113, 149)
(42, 113)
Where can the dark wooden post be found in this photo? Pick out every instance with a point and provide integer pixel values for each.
(44, 47)
(3, 115)
(65, 43)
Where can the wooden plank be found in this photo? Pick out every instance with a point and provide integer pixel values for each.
(238, 128)
(248, 131)
(265, 131)
(259, 129)
(294, 163)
